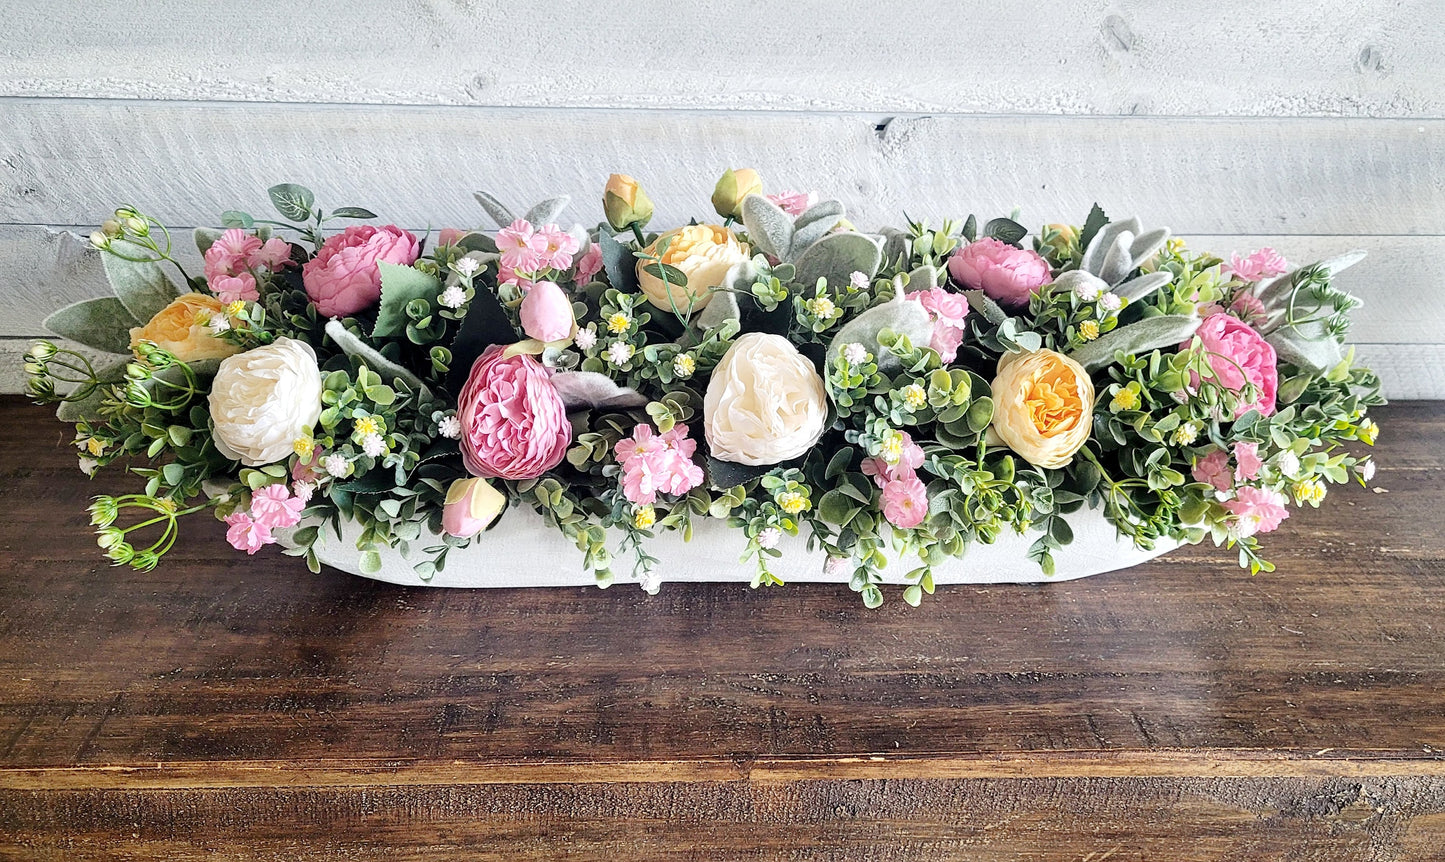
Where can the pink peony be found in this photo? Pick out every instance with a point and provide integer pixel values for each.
(905, 502)
(273, 507)
(1007, 274)
(1247, 462)
(1260, 265)
(245, 534)
(657, 463)
(558, 246)
(1213, 469)
(793, 203)
(546, 313)
(1238, 356)
(1255, 510)
(521, 247)
(588, 265)
(230, 288)
(514, 425)
(343, 278)
(947, 311)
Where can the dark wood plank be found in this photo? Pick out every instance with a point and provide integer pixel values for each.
(1275, 713)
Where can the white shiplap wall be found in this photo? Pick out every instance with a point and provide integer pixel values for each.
(1312, 127)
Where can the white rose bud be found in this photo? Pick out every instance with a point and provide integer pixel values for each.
(765, 403)
(263, 399)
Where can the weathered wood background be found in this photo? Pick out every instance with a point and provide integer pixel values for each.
(1314, 128)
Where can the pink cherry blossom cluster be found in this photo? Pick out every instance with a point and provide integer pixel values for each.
(655, 464)
(1262, 264)
(1213, 468)
(527, 250)
(1251, 509)
(236, 257)
(272, 507)
(905, 498)
(947, 311)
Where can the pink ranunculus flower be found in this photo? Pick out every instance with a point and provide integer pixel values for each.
(1262, 264)
(273, 507)
(1255, 510)
(655, 464)
(245, 534)
(1008, 275)
(947, 311)
(905, 502)
(558, 246)
(230, 288)
(1239, 355)
(471, 506)
(343, 278)
(546, 313)
(588, 265)
(1213, 469)
(793, 203)
(514, 425)
(1247, 462)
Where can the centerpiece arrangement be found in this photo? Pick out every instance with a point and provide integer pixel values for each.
(905, 395)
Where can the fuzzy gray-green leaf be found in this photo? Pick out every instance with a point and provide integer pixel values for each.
(769, 228)
(141, 286)
(353, 346)
(903, 316)
(1310, 348)
(495, 208)
(1151, 333)
(836, 257)
(1136, 289)
(547, 211)
(101, 323)
(814, 224)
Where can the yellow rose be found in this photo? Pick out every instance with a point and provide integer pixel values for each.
(728, 194)
(704, 253)
(625, 203)
(1043, 406)
(181, 329)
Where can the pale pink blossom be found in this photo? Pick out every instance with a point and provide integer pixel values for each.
(793, 203)
(274, 255)
(1258, 266)
(229, 254)
(905, 502)
(245, 534)
(769, 537)
(231, 288)
(1006, 274)
(1255, 510)
(1247, 462)
(910, 458)
(514, 424)
(450, 236)
(655, 464)
(521, 247)
(558, 246)
(1239, 356)
(947, 311)
(1213, 469)
(546, 313)
(274, 507)
(588, 265)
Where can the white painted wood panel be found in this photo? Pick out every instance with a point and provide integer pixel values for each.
(1333, 57)
(62, 161)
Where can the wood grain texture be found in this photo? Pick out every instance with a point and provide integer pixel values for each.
(64, 160)
(1333, 58)
(1181, 710)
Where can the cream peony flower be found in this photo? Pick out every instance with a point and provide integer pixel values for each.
(184, 328)
(1043, 406)
(704, 253)
(765, 403)
(263, 399)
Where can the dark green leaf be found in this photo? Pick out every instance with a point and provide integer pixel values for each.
(292, 201)
(1005, 230)
(619, 263)
(1092, 225)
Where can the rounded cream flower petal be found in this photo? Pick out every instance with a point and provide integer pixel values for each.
(765, 403)
(1043, 407)
(704, 253)
(263, 399)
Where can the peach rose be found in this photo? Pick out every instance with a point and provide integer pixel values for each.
(1043, 407)
(704, 253)
(181, 328)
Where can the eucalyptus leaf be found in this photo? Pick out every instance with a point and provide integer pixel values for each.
(547, 211)
(495, 208)
(141, 286)
(353, 346)
(813, 225)
(352, 212)
(836, 257)
(903, 316)
(769, 228)
(102, 323)
(292, 201)
(1151, 333)
(589, 389)
(400, 285)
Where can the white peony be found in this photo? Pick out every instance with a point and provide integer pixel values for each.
(263, 399)
(765, 403)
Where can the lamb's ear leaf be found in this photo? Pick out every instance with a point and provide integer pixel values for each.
(1146, 244)
(141, 286)
(619, 263)
(1098, 247)
(984, 304)
(1151, 333)
(1309, 347)
(581, 389)
(206, 237)
(495, 208)
(769, 228)
(388, 370)
(836, 257)
(102, 323)
(902, 316)
(720, 309)
(400, 285)
(814, 224)
(1136, 289)
(547, 211)
(88, 408)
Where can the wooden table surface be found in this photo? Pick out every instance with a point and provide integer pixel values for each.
(243, 708)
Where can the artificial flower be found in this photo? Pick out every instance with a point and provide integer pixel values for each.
(732, 189)
(905, 502)
(1239, 356)
(704, 253)
(546, 313)
(1213, 469)
(343, 277)
(657, 463)
(263, 399)
(471, 506)
(947, 311)
(1006, 274)
(793, 203)
(1043, 407)
(1255, 510)
(275, 507)
(246, 534)
(183, 328)
(1257, 266)
(514, 425)
(765, 403)
(625, 203)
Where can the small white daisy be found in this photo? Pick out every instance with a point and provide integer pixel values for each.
(855, 353)
(1111, 302)
(619, 352)
(373, 445)
(218, 324)
(585, 339)
(1366, 470)
(650, 582)
(769, 537)
(859, 280)
(1287, 463)
(468, 266)
(336, 466)
(452, 297)
(1087, 289)
(450, 427)
(303, 490)
(89, 465)
(838, 567)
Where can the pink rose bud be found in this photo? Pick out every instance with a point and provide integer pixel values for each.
(343, 278)
(472, 505)
(450, 236)
(1006, 274)
(547, 313)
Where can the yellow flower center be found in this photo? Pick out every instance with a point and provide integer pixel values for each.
(1089, 330)
(644, 517)
(792, 502)
(367, 425)
(914, 396)
(618, 323)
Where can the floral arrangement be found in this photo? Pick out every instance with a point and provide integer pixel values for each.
(912, 391)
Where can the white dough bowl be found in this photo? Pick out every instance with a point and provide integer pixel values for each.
(523, 551)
